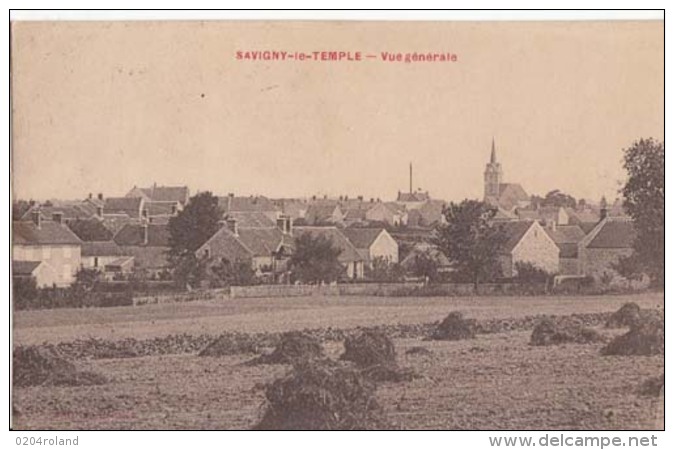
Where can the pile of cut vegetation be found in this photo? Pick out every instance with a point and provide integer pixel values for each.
(645, 337)
(293, 347)
(653, 386)
(455, 327)
(322, 395)
(628, 315)
(232, 344)
(43, 365)
(563, 331)
(373, 352)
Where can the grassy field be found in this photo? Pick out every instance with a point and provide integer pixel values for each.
(496, 381)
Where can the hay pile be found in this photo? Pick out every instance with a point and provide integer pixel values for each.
(42, 365)
(555, 332)
(293, 347)
(373, 352)
(420, 351)
(645, 337)
(628, 315)
(653, 386)
(231, 344)
(322, 395)
(454, 327)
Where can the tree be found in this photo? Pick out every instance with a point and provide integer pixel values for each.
(194, 225)
(425, 265)
(470, 239)
(20, 207)
(188, 231)
(315, 260)
(529, 273)
(237, 273)
(383, 270)
(644, 201)
(630, 268)
(559, 199)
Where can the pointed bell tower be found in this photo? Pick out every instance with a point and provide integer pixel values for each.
(493, 175)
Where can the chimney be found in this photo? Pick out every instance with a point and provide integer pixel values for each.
(230, 195)
(145, 234)
(57, 217)
(99, 211)
(231, 226)
(285, 224)
(91, 195)
(100, 196)
(603, 212)
(411, 191)
(360, 198)
(36, 217)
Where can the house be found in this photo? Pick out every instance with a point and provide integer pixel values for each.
(148, 243)
(62, 211)
(254, 219)
(390, 213)
(43, 274)
(106, 257)
(324, 212)
(293, 208)
(585, 218)
(350, 257)
(50, 243)
(91, 229)
(547, 215)
(567, 238)
(178, 195)
(266, 249)
(373, 243)
(130, 207)
(611, 239)
(231, 204)
(527, 242)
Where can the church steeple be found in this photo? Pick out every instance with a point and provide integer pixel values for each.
(493, 176)
(493, 151)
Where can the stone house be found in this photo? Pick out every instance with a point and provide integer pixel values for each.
(527, 241)
(373, 243)
(610, 240)
(567, 238)
(52, 244)
(148, 243)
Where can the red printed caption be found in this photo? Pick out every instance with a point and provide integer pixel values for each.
(343, 56)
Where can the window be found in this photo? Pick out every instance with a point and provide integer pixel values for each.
(207, 252)
(95, 261)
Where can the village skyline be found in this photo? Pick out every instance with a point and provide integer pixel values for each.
(102, 108)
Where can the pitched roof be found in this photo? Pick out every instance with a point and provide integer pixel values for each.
(426, 249)
(258, 203)
(25, 268)
(68, 210)
(362, 238)
(566, 234)
(252, 219)
(155, 208)
(123, 205)
(148, 257)
(49, 233)
(614, 233)
(167, 193)
(514, 232)
(224, 244)
(349, 253)
(577, 217)
(90, 229)
(413, 196)
(101, 248)
(263, 241)
(133, 234)
(511, 194)
(321, 211)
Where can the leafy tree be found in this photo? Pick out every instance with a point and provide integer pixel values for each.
(315, 260)
(425, 265)
(470, 239)
(530, 273)
(236, 273)
(188, 231)
(383, 270)
(87, 278)
(20, 207)
(629, 267)
(558, 198)
(644, 201)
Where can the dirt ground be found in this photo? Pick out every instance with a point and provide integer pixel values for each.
(496, 381)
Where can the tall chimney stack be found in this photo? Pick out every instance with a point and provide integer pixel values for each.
(57, 217)
(411, 191)
(145, 234)
(232, 226)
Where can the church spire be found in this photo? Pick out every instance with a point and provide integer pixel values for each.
(493, 151)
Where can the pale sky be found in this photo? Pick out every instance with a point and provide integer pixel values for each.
(104, 106)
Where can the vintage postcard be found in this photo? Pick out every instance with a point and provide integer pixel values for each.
(338, 225)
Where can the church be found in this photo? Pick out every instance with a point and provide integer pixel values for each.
(506, 196)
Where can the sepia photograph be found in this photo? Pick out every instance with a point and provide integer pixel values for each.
(337, 225)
